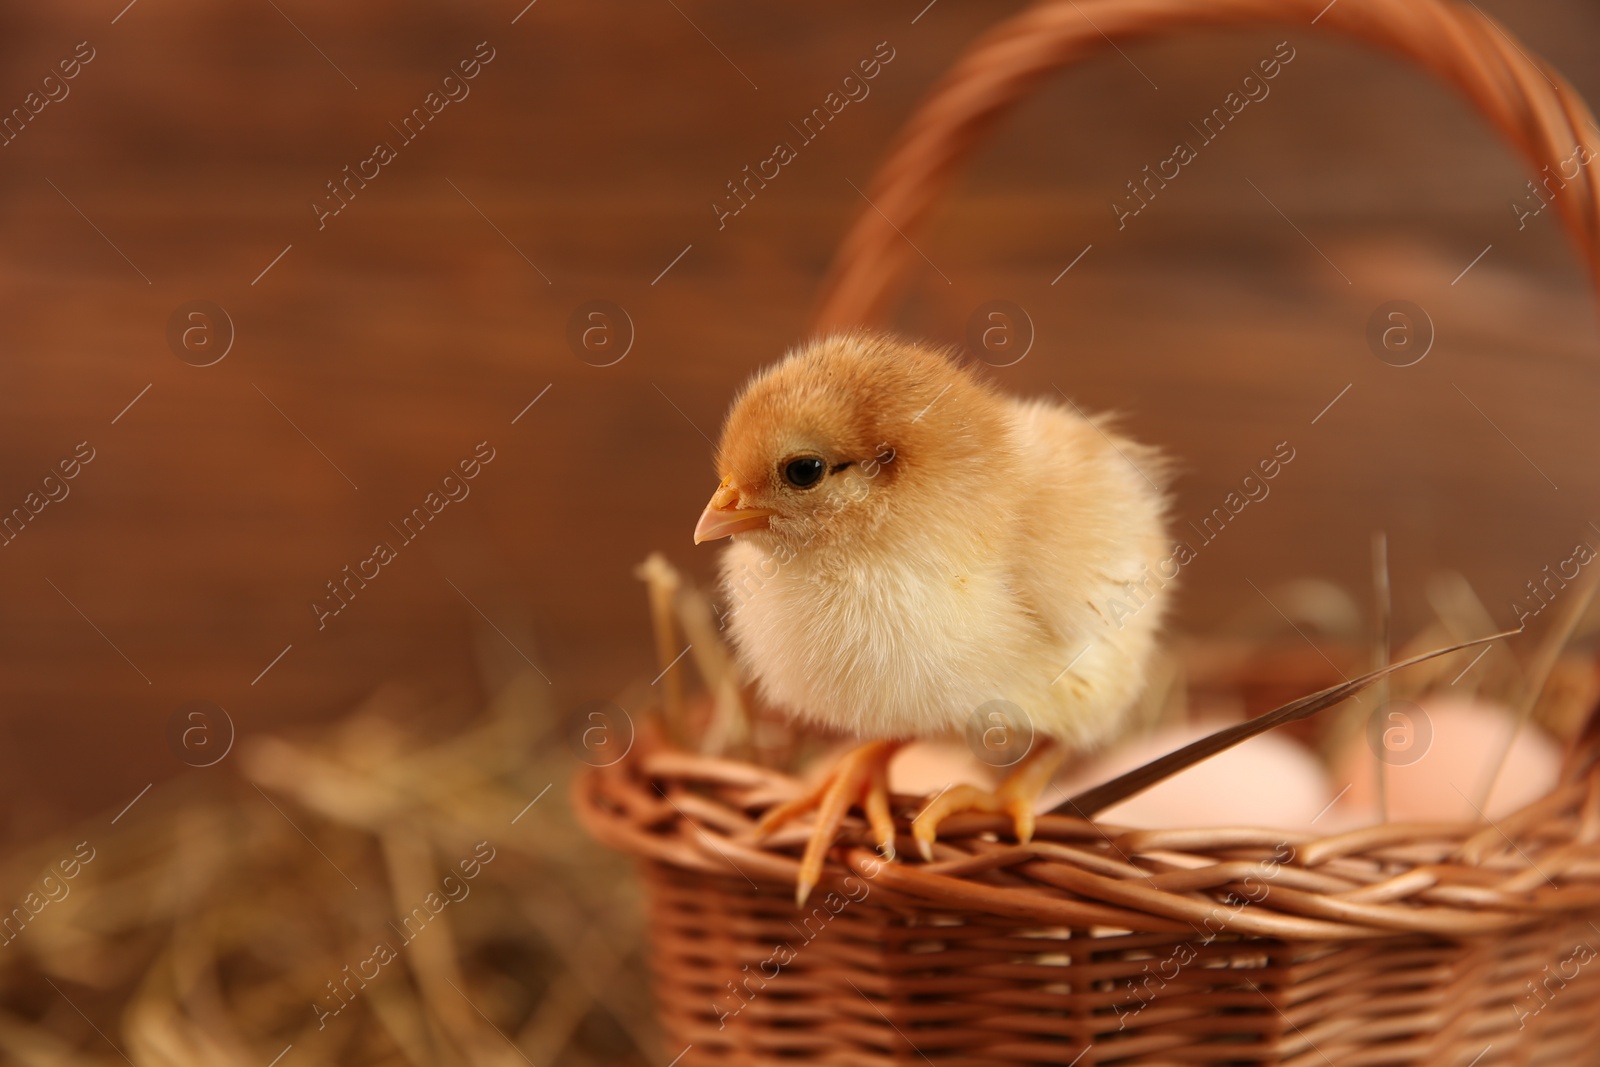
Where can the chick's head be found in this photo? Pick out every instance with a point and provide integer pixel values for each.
(849, 433)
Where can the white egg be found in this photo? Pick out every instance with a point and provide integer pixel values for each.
(1269, 781)
(1438, 756)
(929, 766)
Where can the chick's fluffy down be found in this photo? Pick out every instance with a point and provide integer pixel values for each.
(965, 547)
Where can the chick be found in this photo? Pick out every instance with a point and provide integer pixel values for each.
(910, 545)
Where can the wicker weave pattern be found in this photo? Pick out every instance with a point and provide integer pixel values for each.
(1403, 943)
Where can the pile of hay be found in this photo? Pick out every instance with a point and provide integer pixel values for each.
(368, 896)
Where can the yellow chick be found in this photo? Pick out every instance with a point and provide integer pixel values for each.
(910, 545)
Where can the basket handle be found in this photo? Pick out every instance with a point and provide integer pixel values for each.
(1532, 106)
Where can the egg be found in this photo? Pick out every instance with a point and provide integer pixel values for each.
(1269, 781)
(1438, 755)
(928, 766)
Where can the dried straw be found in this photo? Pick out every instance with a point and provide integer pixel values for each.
(217, 912)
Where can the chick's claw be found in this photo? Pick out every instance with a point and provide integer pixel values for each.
(960, 798)
(877, 808)
(1017, 796)
(861, 776)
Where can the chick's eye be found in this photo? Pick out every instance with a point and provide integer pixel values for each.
(803, 472)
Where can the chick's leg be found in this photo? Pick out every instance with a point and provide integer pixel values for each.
(861, 776)
(1015, 796)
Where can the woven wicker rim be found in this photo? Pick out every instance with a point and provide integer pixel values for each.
(1452, 879)
(1456, 879)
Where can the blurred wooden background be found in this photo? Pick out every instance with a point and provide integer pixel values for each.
(375, 353)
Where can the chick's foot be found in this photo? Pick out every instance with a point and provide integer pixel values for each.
(1016, 796)
(860, 777)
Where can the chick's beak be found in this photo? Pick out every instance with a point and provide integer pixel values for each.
(723, 516)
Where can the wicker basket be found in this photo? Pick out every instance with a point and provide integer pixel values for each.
(1467, 944)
